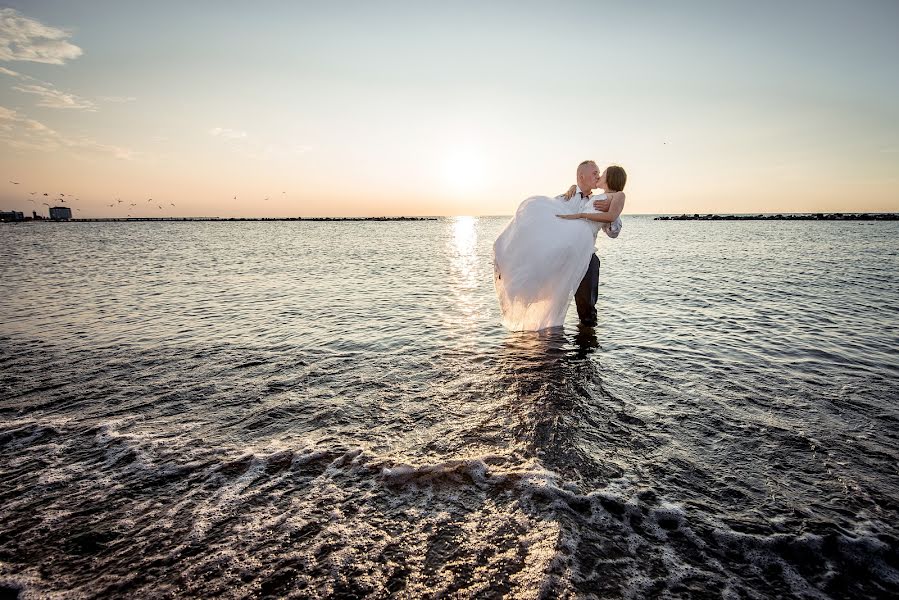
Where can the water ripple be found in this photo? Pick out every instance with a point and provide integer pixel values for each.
(332, 410)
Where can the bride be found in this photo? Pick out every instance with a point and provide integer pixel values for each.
(544, 252)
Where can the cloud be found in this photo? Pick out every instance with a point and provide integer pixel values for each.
(98, 148)
(52, 98)
(224, 132)
(49, 96)
(23, 38)
(239, 142)
(19, 131)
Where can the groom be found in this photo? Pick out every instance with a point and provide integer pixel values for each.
(588, 291)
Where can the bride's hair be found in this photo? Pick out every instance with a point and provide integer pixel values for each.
(616, 178)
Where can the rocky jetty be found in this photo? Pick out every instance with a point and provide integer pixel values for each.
(786, 217)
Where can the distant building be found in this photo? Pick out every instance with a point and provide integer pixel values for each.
(11, 215)
(60, 213)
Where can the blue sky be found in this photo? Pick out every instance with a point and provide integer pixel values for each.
(369, 108)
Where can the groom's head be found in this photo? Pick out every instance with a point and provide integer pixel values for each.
(587, 175)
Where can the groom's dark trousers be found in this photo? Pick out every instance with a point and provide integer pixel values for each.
(588, 293)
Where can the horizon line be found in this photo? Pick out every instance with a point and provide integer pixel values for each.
(407, 217)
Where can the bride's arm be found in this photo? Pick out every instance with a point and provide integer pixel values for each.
(603, 205)
(615, 208)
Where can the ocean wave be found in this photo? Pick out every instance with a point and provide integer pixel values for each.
(331, 519)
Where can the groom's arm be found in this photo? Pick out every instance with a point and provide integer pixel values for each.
(567, 195)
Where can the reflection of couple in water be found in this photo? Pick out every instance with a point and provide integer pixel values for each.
(552, 391)
(545, 255)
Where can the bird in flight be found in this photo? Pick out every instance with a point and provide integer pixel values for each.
(62, 200)
(45, 204)
(112, 205)
(118, 201)
(172, 203)
(132, 204)
(149, 199)
(160, 206)
(14, 182)
(33, 193)
(46, 194)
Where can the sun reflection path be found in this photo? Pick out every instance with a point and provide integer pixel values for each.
(464, 265)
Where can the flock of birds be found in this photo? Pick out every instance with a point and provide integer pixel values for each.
(68, 198)
(60, 199)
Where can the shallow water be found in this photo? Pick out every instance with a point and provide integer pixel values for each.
(332, 410)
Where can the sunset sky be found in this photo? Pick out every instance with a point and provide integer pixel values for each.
(446, 108)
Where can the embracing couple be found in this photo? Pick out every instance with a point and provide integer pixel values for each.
(545, 255)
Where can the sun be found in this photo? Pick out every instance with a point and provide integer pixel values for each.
(464, 170)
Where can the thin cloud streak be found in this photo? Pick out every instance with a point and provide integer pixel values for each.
(229, 134)
(239, 141)
(53, 98)
(20, 131)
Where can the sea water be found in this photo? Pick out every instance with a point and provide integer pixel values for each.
(333, 410)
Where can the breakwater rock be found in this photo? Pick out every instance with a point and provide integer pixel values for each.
(785, 217)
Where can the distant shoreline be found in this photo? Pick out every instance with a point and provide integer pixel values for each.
(784, 217)
(222, 219)
(655, 217)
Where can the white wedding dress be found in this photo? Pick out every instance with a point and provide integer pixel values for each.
(540, 259)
